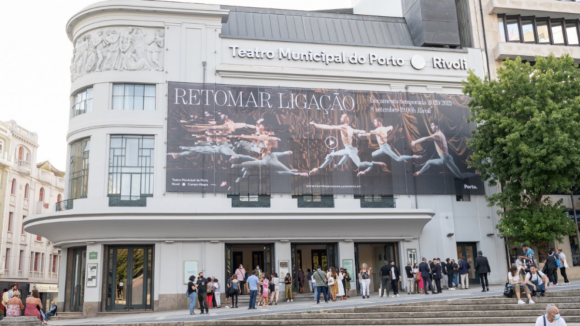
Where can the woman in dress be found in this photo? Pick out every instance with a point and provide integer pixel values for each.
(288, 287)
(347, 280)
(334, 286)
(340, 286)
(32, 302)
(14, 306)
(420, 282)
(364, 276)
(276, 293)
(265, 290)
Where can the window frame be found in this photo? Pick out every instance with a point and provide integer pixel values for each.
(533, 19)
(7, 259)
(79, 180)
(54, 263)
(13, 187)
(575, 24)
(26, 190)
(41, 195)
(113, 96)
(74, 103)
(20, 255)
(518, 18)
(23, 217)
(10, 221)
(563, 25)
(549, 23)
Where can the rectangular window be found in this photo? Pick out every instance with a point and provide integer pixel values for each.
(7, 259)
(23, 217)
(513, 29)
(131, 168)
(315, 201)
(543, 32)
(528, 30)
(133, 97)
(376, 201)
(38, 238)
(501, 23)
(36, 256)
(82, 102)
(463, 198)
(10, 217)
(572, 32)
(79, 168)
(41, 264)
(250, 200)
(54, 263)
(557, 32)
(20, 256)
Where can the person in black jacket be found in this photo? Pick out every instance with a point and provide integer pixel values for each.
(437, 275)
(449, 271)
(482, 268)
(444, 276)
(395, 278)
(426, 275)
(551, 266)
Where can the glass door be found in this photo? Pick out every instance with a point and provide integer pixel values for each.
(469, 251)
(79, 263)
(130, 278)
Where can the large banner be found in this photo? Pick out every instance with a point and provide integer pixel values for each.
(265, 140)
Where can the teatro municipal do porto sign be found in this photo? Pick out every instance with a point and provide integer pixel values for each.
(416, 61)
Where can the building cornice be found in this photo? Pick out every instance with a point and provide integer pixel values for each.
(145, 7)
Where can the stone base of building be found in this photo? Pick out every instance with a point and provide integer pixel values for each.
(90, 309)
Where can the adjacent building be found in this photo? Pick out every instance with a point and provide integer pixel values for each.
(28, 189)
(202, 137)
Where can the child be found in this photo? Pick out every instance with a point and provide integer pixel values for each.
(265, 285)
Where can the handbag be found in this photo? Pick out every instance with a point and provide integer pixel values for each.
(418, 277)
(331, 280)
(508, 291)
(271, 287)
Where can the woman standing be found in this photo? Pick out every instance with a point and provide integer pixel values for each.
(192, 294)
(333, 283)
(347, 280)
(276, 293)
(265, 290)
(210, 299)
(32, 302)
(288, 288)
(217, 293)
(300, 280)
(419, 283)
(340, 286)
(365, 280)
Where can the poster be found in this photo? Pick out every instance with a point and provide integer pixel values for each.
(190, 267)
(283, 269)
(267, 140)
(92, 270)
(349, 266)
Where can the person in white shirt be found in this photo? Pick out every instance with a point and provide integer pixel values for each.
(517, 280)
(563, 265)
(551, 318)
(537, 281)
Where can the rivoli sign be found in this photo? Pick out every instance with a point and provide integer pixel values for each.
(264, 140)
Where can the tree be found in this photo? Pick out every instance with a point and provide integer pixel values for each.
(527, 140)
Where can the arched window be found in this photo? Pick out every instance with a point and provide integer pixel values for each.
(59, 198)
(26, 191)
(20, 153)
(13, 187)
(41, 195)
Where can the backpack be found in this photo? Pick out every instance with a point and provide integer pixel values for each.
(508, 291)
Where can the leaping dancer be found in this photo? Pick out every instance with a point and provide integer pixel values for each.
(382, 135)
(368, 166)
(228, 126)
(445, 158)
(346, 133)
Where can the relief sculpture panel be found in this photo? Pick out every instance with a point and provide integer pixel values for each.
(118, 48)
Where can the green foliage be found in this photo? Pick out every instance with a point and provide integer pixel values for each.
(527, 140)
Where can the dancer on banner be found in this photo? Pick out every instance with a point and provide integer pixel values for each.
(445, 158)
(382, 135)
(228, 126)
(347, 134)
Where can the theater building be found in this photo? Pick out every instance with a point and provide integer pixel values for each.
(202, 137)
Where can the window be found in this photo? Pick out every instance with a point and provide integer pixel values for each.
(79, 169)
(133, 97)
(130, 169)
(36, 260)
(376, 201)
(572, 32)
(13, 187)
(38, 238)
(543, 30)
(82, 102)
(23, 217)
(20, 153)
(7, 259)
(26, 191)
(250, 200)
(316, 201)
(54, 263)
(463, 198)
(10, 221)
(41, 195)
(20, 259)
(501, 29)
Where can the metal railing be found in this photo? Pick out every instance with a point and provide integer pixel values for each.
(63, 205)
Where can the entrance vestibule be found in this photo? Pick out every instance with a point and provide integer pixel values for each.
(374, 255)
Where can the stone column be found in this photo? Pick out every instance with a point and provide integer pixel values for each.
(346, 252)
(282, 252)
(62, 277)
(92, 297)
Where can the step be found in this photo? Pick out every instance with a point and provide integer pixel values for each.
(363, 321)
(67, 315)
(123, 313)
(537, 299)
(403, 314)
(452, 307)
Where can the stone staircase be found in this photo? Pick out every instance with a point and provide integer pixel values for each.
(488, 310)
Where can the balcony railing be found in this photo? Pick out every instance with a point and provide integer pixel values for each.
(64, 205)
(128, 201)
(23, 166)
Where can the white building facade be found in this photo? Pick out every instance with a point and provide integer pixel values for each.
(119, 218)
(29, 189)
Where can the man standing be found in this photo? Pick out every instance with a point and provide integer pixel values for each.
(257, 271)
(252, 287)
(444, 276)
(449, 269)
(455, 268)
(464, 268)
(202, 293)
(551, 318)
(321, 284)
(551, 266)
(563, 266)
(241, 276)
(437, 275)
(395, 278)
(309, 278)
(426, 275)
(482, 268)
(385, 278)
(529, 256)
(410, 278)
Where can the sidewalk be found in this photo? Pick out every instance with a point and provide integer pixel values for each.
(179, 316)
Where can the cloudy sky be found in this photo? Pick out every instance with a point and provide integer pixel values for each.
(35, 56)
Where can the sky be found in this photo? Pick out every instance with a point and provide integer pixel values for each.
(35, 54)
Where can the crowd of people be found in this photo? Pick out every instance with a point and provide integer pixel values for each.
(12, 304)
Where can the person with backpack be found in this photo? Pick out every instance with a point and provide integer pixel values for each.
(274, 289)
(563, 265)
(321, 280)
(558, 265)
(232, 288)
(191, 294)
(241, 277)
(551, 266)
